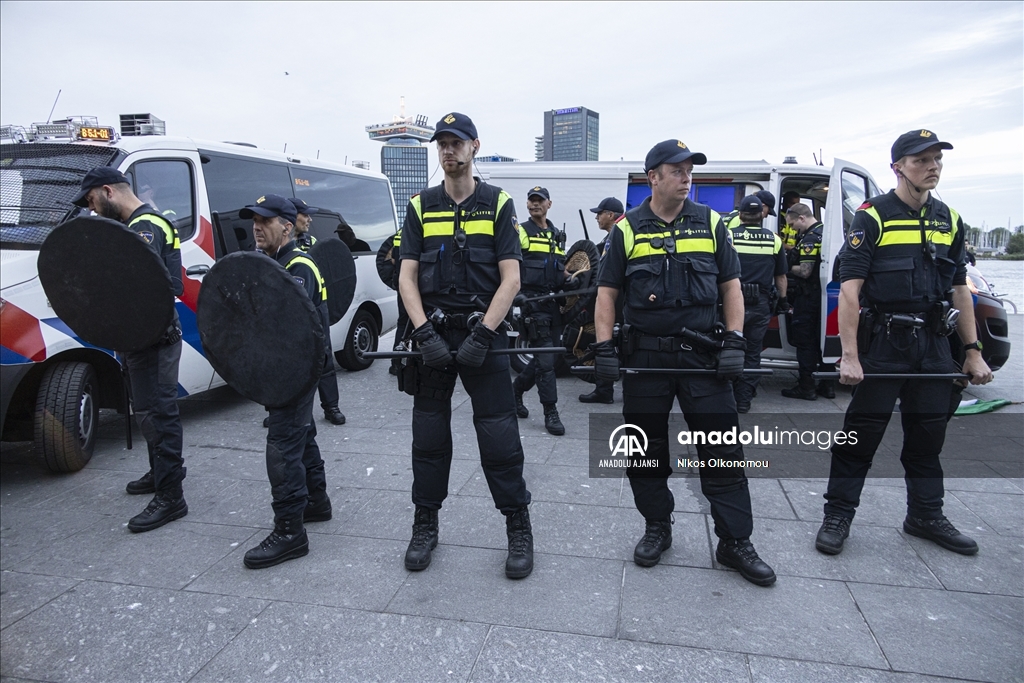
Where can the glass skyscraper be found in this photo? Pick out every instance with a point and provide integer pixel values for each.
(570, 135)
(403, 158)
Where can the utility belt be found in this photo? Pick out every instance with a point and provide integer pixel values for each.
(752, 293)
(417, 379)
(633, 340)
(172, 336)
(940, 320)
(454, 321)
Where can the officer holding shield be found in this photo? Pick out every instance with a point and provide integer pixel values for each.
(294, 465)
(153, 372)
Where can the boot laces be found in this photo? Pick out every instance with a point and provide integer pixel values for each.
(519, 536)
(655, 533)
(422, 531)
(943, 526)
(744, 548)
(836, 525)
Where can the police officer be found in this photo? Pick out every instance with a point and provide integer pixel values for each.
(607, 212)
(805, 296)
(295, 469)
(903, 269)
(787, 233)
(328, 387)
(767, 209)
(672, 262)
(540, 274)
(153, 372)
(763, 269)
(460, 254)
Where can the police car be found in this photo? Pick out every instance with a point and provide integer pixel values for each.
(52, 384)
(832, 193)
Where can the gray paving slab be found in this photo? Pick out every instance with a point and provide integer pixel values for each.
(25, 532)
(946, 633)
(806, 619)
(393, 472)
(871, 555)
(768, 499)
(554, 483)
(21, 594)
(569, 594)
(775, 670)
(340, 571)
(26, 483)
(392, 440)
(569, 451)
(109, 633)
(314, 643)
(232, 462)
(527, 656)
(998, 568)
(995, 484)
(168, 557)
(1002, 512)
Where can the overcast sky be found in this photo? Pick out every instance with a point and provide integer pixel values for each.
(735, 81)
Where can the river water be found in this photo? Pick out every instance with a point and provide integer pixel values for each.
(1007, 279)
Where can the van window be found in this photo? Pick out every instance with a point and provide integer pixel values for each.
(854, 194)
(365, 203)
(233, 183)
(166, 185)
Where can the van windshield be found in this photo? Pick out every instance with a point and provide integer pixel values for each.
(37, 183)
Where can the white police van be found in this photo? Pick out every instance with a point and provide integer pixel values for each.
(52, 383)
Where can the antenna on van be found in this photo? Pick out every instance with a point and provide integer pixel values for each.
(285, 148)
(54, 105)
(318, 154)
(816, 162)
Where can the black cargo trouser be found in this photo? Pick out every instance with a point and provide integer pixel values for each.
(294, 466)
(755, 324)
(328, 387)
(541, 368)
(497, 433)
(708, 405)
(806, 331)
(153, 373)
(924, 411)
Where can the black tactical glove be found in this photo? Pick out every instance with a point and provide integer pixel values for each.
(572, 284)
(474, 350)
(435, 351)
(782, 306)
(519, 300)
(606, 361)
(730, 358)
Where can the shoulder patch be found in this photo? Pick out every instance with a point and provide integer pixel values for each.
(855, 238)
(807, 248)
(301, 281)
(865, 205)
(146, 235)
(515, 223)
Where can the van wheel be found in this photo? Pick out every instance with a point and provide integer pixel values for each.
(362, 337)
(67, 416)
(519, 361)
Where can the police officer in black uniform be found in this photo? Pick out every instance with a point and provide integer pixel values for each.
(903, 271)
(540, 274)
(153, 372)
(805, 296)
(767, 209)
(672, 262)
(328, 387)
(763, 268)
(607, 212)
(460, 254)
(298, 484)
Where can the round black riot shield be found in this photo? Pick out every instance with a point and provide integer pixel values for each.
(259, 329)
(106, 283)
(338, 269)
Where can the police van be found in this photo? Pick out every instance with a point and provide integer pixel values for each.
(832, 193)
(52, 383)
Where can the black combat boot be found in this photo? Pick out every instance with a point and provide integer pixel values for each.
(317, 510)
(165, 507)
(519, 562)
(521, 410)
(287, 541)
(334, 416)
(144, 484)
(424, 539)
(602, 393)
(552, 422)
(826, 388)
(832, 535)
(942, 532)
(739, 554)
(656, 540)
(803, 389)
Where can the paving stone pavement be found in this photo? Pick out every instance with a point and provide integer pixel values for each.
(82, 599)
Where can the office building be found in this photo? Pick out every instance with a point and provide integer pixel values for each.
(403, 159)
(569, 135)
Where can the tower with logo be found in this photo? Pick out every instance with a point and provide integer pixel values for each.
(403, 159)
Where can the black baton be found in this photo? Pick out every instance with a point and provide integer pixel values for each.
(897, 375)
(670, 371)
(496, 352)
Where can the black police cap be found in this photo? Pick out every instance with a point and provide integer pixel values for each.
(270, 205)
(915, 142)
(457, 124)
(302, 207)
(539, 191)
(98, 177)
(671, 152)
(609, 204)
(751, 204)
(768, 199)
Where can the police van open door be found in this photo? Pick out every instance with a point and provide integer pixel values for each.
(849, 186)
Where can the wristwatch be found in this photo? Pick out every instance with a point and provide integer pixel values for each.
(973, 346)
